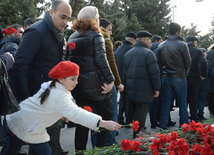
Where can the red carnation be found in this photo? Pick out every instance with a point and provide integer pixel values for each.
(173, 136)
(12, 29)
(192, 125)
(72, 45)
(135, 145)
(126, 144)
(163, 139)
(185, 127)
(135, 126)
(196, 149)
(206, 149)
(6, 31)
(87, 108)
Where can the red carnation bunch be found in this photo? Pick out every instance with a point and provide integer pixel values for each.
(12, 29)
(8, 32)
(87, 108)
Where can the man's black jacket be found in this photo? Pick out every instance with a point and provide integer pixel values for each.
(38, 52)
(141, 73)
(197, 59)
(119, 54)
(174, 57)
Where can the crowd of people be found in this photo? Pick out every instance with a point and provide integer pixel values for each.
(53, 82)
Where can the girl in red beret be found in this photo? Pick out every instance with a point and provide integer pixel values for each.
(47, 106)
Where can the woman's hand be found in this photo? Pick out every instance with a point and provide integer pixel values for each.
(110, 125)
(107, 87)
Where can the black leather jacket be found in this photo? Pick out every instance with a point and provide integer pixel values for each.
(174, 57)
(90, 55)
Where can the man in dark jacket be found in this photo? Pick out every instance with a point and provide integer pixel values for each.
(194, 76)
(29, 22)
(40, 50)
(156, 40)
(11, 45)
(210, 57)
(141, 78)
(174, 61)
(123, 105)
(8, 61)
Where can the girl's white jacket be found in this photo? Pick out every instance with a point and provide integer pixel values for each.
(30, 123)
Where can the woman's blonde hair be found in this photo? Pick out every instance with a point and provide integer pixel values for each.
(87, 19)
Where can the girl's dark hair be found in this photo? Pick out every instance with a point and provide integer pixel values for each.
(46, 93)
(84, 25)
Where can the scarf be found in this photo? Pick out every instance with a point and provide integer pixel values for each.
(59, 35)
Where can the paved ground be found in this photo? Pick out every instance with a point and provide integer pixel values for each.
(67, 134)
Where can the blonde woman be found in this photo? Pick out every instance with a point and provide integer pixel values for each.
(96, 79)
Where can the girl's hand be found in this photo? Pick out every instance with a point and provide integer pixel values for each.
(110, 125)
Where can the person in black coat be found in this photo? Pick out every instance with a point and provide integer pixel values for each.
(8, 60)
(204, 88)
(40, 50)
(11, 45)
(174, 61)
(7, 57)
(96, 80)
(141, 77)
(210, 57)
(156, 104)
(123, 105)
(194, 76)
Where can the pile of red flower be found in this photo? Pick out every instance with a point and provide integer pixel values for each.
(193, 139)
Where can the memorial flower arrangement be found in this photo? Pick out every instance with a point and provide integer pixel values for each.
(193, 138)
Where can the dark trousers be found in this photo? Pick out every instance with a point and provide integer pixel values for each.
(122, 107)
(129, 112)
(192, 97)
(201, 103)
(53, 132)
(103, 108)
(173, 88)
(211, 103)
(15, 145)
(139, 112)
(153, 111)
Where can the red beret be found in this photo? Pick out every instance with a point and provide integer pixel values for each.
(64, 69)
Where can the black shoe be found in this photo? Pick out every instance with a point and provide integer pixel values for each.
(202, 119)
(172, 109)
(155, 126)
(170, 124)
(64, 152)
(22, 153)
(117, 133)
